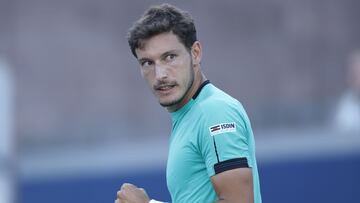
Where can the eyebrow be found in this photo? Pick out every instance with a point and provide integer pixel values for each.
(161, 56)
(143, 60)
(168, 52)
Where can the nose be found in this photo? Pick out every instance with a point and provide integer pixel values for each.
(160, 72)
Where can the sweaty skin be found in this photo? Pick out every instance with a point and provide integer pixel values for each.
(170, 70)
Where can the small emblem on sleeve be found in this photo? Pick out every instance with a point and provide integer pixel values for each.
(222, 128)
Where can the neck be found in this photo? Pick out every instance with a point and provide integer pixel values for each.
(198, 80)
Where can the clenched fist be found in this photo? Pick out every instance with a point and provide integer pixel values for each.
(129, 193)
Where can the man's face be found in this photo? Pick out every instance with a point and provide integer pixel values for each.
(166, 66)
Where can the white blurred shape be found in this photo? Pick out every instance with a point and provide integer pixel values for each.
(6, 134)
(348, 115)
(6, 188)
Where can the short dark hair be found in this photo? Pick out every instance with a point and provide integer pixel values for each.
(160, 19)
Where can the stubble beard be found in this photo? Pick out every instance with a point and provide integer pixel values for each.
(189, 85)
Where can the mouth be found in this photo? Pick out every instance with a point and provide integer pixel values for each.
(164, 89)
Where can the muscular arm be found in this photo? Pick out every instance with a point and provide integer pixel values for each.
(234, 186)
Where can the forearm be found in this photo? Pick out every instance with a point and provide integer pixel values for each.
(221, 201)
(232, 201)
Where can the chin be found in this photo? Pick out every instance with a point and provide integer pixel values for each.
(169, 103)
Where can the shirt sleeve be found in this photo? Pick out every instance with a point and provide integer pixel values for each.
(223, 138)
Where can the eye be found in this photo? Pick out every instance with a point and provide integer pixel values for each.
(170, 57)
(146, 63)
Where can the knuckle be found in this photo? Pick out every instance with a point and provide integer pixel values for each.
(120, 194)
(126, 185)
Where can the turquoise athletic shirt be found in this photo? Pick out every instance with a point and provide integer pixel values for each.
(210, 134)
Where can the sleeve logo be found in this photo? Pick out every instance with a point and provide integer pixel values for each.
(222, 128)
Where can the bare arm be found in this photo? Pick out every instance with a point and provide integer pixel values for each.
(234, 186)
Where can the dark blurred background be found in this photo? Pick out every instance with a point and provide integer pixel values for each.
(82, 121)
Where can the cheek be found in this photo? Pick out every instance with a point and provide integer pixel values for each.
(185, 76)
(148, 76)
(185, 69)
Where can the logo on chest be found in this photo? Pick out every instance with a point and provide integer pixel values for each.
(222, 128)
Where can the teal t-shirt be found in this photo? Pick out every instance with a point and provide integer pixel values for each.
(210, 134)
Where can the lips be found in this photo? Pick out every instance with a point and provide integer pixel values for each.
(164, 88)
(167, 87)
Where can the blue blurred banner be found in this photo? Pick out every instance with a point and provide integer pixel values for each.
(311, 165)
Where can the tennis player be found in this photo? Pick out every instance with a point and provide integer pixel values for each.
(211, 154)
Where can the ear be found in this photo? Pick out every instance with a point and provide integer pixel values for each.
(196, 53)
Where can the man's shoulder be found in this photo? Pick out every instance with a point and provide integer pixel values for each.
(218, 101)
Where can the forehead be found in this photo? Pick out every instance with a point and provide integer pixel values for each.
(159, 44)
